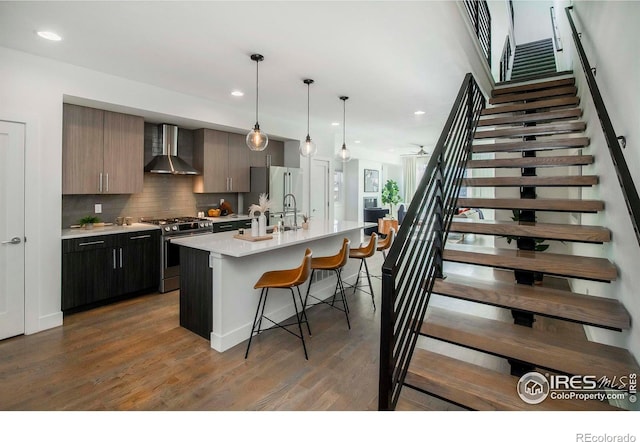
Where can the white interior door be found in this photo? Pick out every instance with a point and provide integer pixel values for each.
(319, 204)
(12, 151)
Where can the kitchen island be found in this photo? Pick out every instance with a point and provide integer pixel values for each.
(218, 271)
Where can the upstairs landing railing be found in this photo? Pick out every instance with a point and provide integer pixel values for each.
(415, 258)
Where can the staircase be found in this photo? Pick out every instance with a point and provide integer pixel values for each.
(527, 119)
(535, 58)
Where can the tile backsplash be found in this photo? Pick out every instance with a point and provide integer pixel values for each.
(163, 196)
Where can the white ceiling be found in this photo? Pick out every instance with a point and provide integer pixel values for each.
(381, 54)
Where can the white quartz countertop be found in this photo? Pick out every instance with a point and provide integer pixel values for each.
(225, 244)
(106, 230)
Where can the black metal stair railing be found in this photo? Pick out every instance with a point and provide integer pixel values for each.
(481, 20)
(505, 59)
(629, 190)
(415, 258)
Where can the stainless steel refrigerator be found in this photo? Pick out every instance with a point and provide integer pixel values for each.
(277, 181)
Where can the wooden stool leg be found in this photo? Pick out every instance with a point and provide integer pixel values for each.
(255, 320)
(295, 305)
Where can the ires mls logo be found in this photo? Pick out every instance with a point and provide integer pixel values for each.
(534, 387)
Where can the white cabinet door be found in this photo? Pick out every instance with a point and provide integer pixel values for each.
(12, 138)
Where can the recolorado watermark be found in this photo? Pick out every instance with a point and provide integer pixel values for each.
(533, 388)
(589, 437)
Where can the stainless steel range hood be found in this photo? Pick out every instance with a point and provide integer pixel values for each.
(169, 161)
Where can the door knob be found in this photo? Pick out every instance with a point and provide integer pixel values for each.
(14, 240)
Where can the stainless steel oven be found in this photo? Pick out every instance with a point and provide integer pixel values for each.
(170, 253)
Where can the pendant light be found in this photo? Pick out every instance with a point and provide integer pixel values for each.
(308, 148)
(344, 155)
(257, 140)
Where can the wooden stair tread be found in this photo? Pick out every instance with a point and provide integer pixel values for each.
(566, 160)
(537, 117)
(531, 181)
(584, 267)
(550, 205)
(534, 95)
(516, 88)
(522, 131)
(478, 388)
(518, 146)
(565, 354)
(561, 304)
(563, 232)
(542, 104)
(533, 80)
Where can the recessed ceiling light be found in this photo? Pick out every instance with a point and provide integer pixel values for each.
(49, 35)
(335, 124)
(357, 141)
(237, 93)
(419, 112)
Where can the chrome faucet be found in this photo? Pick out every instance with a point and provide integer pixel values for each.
(295, 209)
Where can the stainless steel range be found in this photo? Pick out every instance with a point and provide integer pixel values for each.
(170, 253)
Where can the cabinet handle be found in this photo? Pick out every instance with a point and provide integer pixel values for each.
(120, 257)
(91, 243)
(140, 237)
(225, 225)
(114, 259)
(268, 160)
(107, 183)
(231, 180)
(100, 183)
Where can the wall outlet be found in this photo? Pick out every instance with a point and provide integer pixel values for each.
(98, 208)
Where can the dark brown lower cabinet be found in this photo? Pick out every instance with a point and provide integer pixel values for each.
(98, 268)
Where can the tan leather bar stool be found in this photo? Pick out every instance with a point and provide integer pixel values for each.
(362, 253)
(335, 263)
(282, 279)
(386, 243)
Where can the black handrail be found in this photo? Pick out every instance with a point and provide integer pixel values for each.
(629, 190)
(481, 19)
(504, 59)
(415, 258)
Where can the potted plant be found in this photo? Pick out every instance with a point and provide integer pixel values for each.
(305, 221)
(391, 195)
(88, 221)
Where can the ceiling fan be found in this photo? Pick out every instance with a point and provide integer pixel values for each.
(420, 153)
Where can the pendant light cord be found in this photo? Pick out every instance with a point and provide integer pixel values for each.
(257, 63)
(308, 108)
(344, 119)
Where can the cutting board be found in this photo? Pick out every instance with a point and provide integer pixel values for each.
(253, 238)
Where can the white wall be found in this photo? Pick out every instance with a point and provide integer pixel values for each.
(532, 20)
(610, 48)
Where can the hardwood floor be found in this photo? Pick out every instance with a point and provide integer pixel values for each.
(134, 355)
